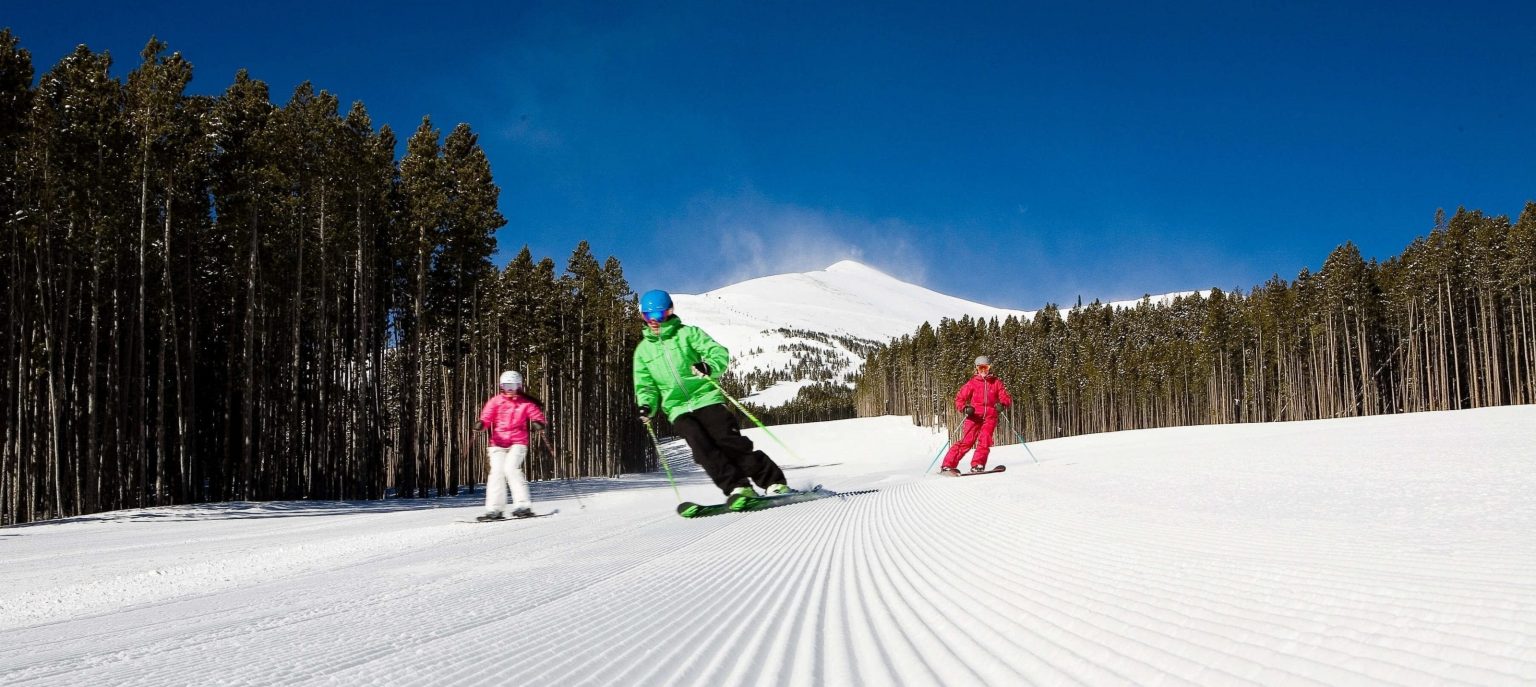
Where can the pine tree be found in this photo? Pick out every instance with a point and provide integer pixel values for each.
(15, 258)
(214, 298)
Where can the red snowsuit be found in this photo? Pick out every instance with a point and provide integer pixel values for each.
(982, 393)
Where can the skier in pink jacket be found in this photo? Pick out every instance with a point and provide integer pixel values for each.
(982, 400)
(508, 416)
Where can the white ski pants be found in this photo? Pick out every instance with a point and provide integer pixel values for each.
(507, 470)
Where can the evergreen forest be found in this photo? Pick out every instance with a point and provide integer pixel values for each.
(219, 298)
(1449, 323)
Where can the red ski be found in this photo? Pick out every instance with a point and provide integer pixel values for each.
(999, 468)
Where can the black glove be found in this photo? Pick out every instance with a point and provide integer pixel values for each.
(535, 426)
(701, 369)
(999, 407)
(645, 414)
(968, 410)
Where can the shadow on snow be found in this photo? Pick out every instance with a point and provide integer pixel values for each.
(550, 491)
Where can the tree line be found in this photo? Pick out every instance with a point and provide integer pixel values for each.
(814, 402)
(824, 361)
(215, 298)
(1449, 323)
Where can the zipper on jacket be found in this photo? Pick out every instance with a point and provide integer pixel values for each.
(675, 374)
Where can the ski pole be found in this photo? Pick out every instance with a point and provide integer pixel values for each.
(949, 438)
(1025, 444)
(754, 419)
(657, 445)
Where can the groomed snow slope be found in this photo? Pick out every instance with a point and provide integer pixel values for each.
(1390, 550)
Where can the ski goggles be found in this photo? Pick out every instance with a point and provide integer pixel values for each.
(509, 388)
(655, 315)
(983, 368)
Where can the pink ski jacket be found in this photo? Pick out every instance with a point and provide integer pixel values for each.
(982, 393)
(507, 418)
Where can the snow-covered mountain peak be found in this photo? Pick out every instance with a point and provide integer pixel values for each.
(780, 327)
(848, 298)
(786, 331)
(855, 268)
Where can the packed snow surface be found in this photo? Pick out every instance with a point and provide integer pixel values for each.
(1387, 550)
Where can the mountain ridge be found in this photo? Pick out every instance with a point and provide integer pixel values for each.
(788, 331)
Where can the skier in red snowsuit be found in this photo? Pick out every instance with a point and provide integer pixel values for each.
(982, 400)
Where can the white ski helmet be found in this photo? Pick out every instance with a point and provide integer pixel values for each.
(511, 380)
(983, 360)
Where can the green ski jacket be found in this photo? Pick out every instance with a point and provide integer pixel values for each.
(663, 373)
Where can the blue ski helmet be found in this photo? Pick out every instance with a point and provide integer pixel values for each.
(655, 300)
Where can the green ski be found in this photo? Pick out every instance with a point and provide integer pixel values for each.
(742, 504)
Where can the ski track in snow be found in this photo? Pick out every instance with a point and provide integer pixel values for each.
(1392, 550)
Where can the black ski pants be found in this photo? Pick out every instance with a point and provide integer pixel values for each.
(714, 435)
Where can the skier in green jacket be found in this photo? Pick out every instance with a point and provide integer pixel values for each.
(676, 368)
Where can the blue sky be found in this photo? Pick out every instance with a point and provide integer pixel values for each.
(1009, 153)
